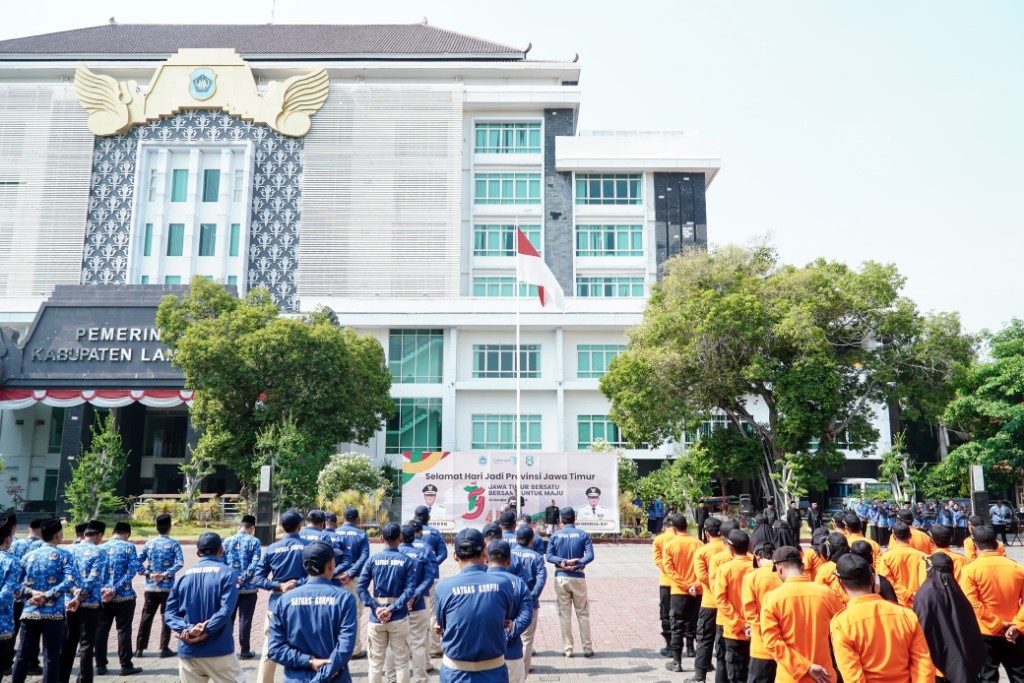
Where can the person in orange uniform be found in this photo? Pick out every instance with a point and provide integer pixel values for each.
(970, 551)
(705, 636)
(994, 585)
(874, 640)
(855, 532)
(942, 536)
(812, 561)
(919, 540)
(714, 564)
(839, 523)
(903, 565)
(756, 585)
(684, 606)
(794, 622)
(835, 548)
(729, 597)
(664, 584)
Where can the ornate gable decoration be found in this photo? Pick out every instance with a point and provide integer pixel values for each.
(201, 79)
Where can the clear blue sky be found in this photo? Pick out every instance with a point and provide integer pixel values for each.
(852, 130)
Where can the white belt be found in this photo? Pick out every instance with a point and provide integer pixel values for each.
(385, 601)
(462, 665)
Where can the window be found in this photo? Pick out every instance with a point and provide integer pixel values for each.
(590, 428)
(609, 240)
(172, 280)
(56, 429)
(175, 239)
(50, 484)
(145, 279)
(501, 286)
(207, 239)
(236, 187)
(236, 238)
(500, 240)
(415, 356)
(715, 422)
(416, 426)
(495, 432)
(496, 361)
(508, 138)
(608, 188)
(592, 359)
(211, 185)
(232, 279)
(147, 246)
(507, 188)
(610, 287)
(179, 185)
(151, 187)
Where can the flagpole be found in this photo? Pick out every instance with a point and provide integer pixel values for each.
(518, 370)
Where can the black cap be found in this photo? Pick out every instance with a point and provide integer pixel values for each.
(122, 528)
(524, 534)
(416, 525)
(316, 517)
(208, 543)
(507, 518)
(80, 528)
(290, 519)
(491, 529)
(407, 531)
(319, 554)
(331, 517)
(95, 527)
(525, 518)
(852, 567)
(470, 540)
(390, 531)
(422, 511)
(499, 550)
(163, 519)
(787, 553)
(568, 515)
(430, 488)
(36, 523)
(593, 491)
(248, 520)
(350, 513)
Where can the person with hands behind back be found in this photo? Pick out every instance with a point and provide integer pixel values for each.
(393, 575)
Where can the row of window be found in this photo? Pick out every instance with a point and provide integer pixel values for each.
(591, 240)
(207, 239)
(210, 189)
(525, 188)
(589, 287)
(176, 279)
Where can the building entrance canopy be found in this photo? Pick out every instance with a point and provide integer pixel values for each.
(16, 399)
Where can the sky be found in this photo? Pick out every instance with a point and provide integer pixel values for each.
(852, 131)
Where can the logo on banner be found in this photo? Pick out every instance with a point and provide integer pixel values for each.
(483, 460)
(475, 500)
(529, 461)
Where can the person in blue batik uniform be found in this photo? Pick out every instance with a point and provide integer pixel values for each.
(165, 560)
(118, 600)
(499, 554)
(19, 549)
(358, 547)
(313, 629)
(242, 553)
(330, 536)
(10, 585)
(393, 576)
(50, 576)
(435, 540)
(530, 557)
(419, 617)
(474, 612)
(571, 550)
(199, 609)
(91, 562)
(279, 571)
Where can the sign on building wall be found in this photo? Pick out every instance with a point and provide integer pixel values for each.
(470, 489)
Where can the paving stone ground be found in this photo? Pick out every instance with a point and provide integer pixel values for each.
(623, 592)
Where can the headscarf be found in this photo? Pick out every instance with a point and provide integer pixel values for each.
(785, 534)
(763, 533)
(949, 624)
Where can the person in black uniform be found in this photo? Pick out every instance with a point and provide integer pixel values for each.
(551, 517)
(794, 519)
(701, 517)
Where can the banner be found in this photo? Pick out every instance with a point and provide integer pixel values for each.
(471, 489)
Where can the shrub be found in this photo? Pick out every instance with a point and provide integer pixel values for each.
(645, 534)
(149, 510)
(627, 533)
(349, 472)
(372, 506)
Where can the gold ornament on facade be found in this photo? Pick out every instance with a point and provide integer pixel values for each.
(201, 79)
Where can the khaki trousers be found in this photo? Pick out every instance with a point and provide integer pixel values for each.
(268, 667)
(571, 594)
(516, 670)
(435, 640)
(529, 635)
(223, 669)
(351, 588)
(419, 633)
(394, 634)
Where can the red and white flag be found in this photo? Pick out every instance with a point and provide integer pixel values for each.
(533, 271)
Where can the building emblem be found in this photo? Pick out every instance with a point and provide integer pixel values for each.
(529, 461)
(203, 84)
(219, 79)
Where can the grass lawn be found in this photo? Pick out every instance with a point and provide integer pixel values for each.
(181, 532)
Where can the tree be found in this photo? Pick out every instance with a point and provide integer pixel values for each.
(899, 469)
(296, 462)
(349, 472)
(195, 470)
(251, 368)
(90, 493)
(627, 469)
(989, 405)
(815, 349)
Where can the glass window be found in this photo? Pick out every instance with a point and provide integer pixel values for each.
(145, 279)
(590, 428)
(236, 238)
(715, 422)
(172, 280)
(608, 188)
(237, 188)
(151, 187)
(500, 240)
(50, 485)
(610, 287)
(175, 239)
(496, 432)
(207, 239)
(416, 426)
(232, 279)
(501, 287)
(179, 184)
(609, 240)
(507, 188)
(211, 185)
(415, 356)
(165, 434)
(56, 429)
(498, 361)
(592, 359)
(147, 246)
(508, 138)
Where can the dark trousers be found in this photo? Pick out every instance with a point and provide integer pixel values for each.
(51, 631)
(80, 642)
(884, 533)
(762, 670)
(683, 613)
(705, 640)
(737, 659)
(652, 525)
(1000, 530)
(701, 534)
(120, 613)
(1002, 652)
(721, 669)
(664, 601)
(244, 609)
(151, 602)
(6, 656)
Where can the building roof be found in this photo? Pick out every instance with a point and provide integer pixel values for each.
(340, 41)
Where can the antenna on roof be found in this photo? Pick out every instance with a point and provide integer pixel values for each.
(425, 22)
(528, 48)
(576, 58)
(113, 21)
(273, 10)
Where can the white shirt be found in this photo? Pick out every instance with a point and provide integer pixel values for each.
(592, 512)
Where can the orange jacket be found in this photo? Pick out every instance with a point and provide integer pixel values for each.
(729, 595)
(714, 564)
(876, 641)
(959, 562)
(876, 550)
(656, 548)
(827, 577)
(794, 628)
(812, 562)
(677, 562)
(919, 540)
(903, 565)
(756, 585)
(995, 587)
(701, 567)
(971, 551)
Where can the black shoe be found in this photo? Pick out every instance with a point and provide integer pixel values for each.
(101, 671)
(248, 654)
(361, 655)
(673, 666)
(690, 651)
(166, 652)
(130, 672)
(140, 653)
(665, 652)
(35, 671)
(588, 653)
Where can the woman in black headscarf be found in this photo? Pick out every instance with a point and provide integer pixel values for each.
(763, 533)
(883, 586)
(949, 624)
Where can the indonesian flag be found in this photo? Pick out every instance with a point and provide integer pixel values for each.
(533, 271)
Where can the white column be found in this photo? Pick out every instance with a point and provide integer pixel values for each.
(560, 391)
(449, 406)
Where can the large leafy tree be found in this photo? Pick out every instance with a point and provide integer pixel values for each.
(252, 368)
(815, 349)
(91, 491)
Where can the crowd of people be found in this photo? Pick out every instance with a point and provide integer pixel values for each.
(759, 608)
